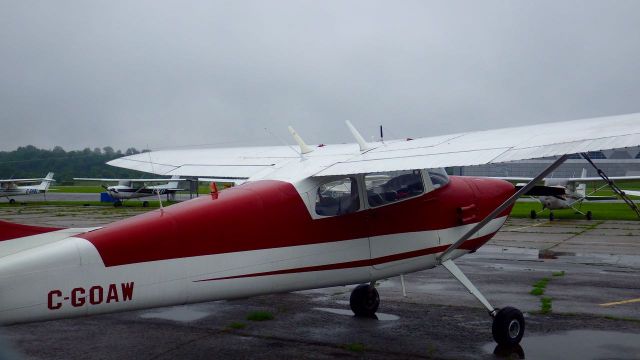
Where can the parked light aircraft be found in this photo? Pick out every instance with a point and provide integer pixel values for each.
(573, 192)
(16, 187)
(128, 188)
(321, 216)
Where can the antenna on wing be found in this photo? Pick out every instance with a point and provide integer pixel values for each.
(301, 154)
(363, 144)
(304, 148)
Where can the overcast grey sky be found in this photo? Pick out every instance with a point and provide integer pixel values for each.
(168, 73)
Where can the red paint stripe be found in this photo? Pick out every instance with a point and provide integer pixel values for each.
(467, 245)
(10, 230)
(271, 214)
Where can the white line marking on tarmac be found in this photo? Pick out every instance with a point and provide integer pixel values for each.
(630, 301)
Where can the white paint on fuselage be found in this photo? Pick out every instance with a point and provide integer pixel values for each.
(27, 277)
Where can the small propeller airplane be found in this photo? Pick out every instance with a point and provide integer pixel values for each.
(127, 188)
(16, 187)
(570, 193)
(318, 216)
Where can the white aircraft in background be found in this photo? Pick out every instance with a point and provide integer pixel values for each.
(13, 187)
(570, 193)
(137, 188)
(319, 217)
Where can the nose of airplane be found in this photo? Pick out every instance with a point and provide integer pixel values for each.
(491, 193)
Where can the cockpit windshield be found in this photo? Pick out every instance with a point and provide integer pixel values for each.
(438, 177)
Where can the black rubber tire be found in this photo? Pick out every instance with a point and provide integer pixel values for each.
(364, 300)
(508, 326)
(589, 215)
(551, 216)
(145, 203)
(533, 214)
(12, 201)
(117, 203)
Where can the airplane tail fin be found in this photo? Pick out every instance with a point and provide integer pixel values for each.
(581, 189)
(174, 184)
(44, 185)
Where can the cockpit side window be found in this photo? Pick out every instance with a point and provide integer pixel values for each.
(337, 197)
(438, 177)
(388, 187)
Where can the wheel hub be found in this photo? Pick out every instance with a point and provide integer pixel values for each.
(514, 328)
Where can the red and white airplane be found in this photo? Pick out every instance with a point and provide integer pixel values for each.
(315, 217)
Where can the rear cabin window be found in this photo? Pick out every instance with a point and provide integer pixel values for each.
(337, 197)
(388, 187)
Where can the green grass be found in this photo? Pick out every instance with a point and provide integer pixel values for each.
(537, 291)
(621, 318)
(78, 189)
(260, 316)
(237, 325)
(355, 347)
(539, 286)
(601, 211)
(558, 273)
(545, 305)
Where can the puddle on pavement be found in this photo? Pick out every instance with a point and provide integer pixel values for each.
(576, 344)
(179, 313)
(380, 316)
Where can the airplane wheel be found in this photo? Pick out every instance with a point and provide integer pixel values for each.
(533, 214)
(364, 300)
(12, 201)
(508, 326)
(145, 203)
(117, 204)
(551, 217)
(589, 215)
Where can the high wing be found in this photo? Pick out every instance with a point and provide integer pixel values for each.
(632, 192)
(596, 179)
(573, 179)
(463, 149)
(24, 181)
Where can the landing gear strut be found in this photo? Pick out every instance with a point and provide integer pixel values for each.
(364, 300)
(506, 331)
(508, 323)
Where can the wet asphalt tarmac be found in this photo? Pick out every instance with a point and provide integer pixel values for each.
(595, 306)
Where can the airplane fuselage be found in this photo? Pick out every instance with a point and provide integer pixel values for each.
(19, 191)
(557, 203)
(126, 192)
(254, 239)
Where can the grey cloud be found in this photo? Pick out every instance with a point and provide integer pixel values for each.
(167, 73)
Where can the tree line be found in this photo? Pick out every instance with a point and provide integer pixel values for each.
(32, 162)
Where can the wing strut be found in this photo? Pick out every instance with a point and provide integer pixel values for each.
(446, 255)
(613, 185)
